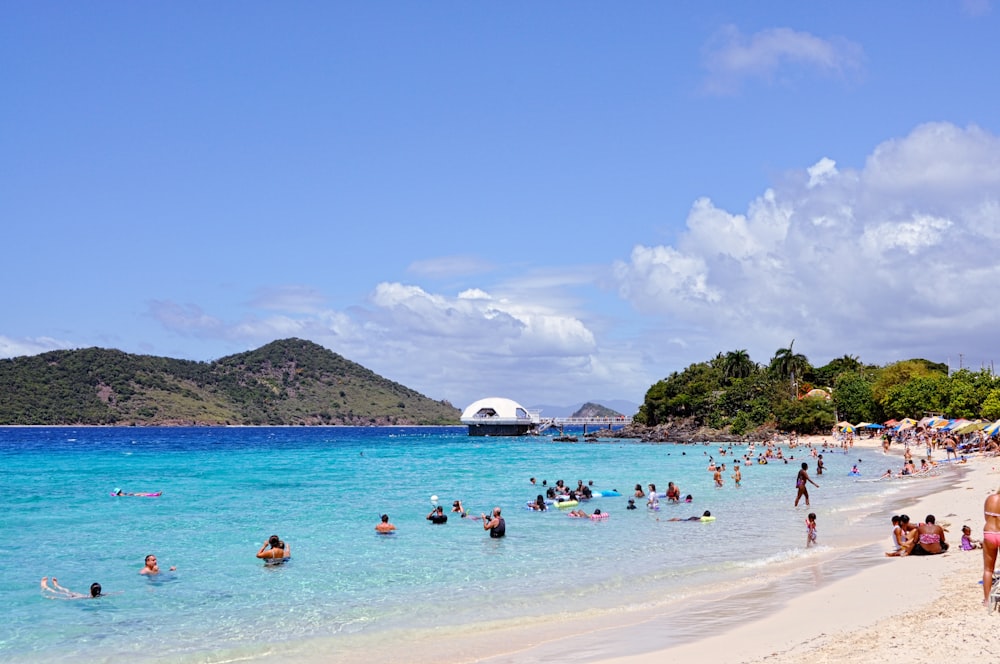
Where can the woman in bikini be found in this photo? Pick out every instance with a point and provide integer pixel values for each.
(991, 542)
(274, 550)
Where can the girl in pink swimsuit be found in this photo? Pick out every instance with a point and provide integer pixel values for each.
(991, 543)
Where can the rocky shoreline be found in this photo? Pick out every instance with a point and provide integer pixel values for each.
(683, 432)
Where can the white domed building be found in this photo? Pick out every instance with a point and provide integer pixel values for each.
(497, 416)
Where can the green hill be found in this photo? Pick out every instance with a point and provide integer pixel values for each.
(291, 381)
(590, 409)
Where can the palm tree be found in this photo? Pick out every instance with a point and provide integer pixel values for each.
(787, 363)
(737, 364)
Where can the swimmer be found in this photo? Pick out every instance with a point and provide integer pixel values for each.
(152, 567)
(673, 493)
(274, 549)
(578, 514)
(55, 591)
(737, 475)
(631, 504)
(457, 507)
(384, 527)
(539, 504)
(706, 514)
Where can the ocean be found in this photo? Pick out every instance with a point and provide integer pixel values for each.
(225, 490)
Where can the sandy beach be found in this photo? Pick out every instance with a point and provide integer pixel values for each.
(921, 608)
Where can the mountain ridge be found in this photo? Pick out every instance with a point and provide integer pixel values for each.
(285, 382)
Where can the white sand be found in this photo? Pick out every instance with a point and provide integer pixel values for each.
(915, 609)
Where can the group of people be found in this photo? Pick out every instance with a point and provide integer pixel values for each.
(922, 539)
(52, 589)
(494, 523)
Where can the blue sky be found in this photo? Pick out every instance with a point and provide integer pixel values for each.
(552, 202)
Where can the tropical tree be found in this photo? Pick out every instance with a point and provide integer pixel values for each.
(737, 364)
(786, 363)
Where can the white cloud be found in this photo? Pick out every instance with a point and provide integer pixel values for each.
(774, 54)
(893, 260)
(10, 347)
(449, 266)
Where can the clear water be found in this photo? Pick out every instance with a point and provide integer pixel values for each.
(225, 490)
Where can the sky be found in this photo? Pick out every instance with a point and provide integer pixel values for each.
(552, 202)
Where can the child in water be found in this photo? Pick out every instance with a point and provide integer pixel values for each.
(810, 529)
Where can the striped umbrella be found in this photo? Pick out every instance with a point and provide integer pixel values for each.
(992, 429)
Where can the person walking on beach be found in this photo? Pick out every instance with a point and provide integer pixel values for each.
(800, 484)
(991, 542)
(496, 525)
(810, 529)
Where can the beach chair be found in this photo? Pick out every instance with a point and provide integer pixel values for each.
(995, 593)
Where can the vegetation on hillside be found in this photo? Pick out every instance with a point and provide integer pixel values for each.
(285, 382)
(733, 392)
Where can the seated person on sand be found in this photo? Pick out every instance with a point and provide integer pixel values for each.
(968, 544)
(927, 539)
(898, 538)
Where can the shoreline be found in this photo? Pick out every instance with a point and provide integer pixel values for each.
(928, 607)
(848, 591)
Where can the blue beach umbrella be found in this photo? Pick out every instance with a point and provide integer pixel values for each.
(992, 429)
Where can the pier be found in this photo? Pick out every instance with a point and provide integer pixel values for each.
(600, 422)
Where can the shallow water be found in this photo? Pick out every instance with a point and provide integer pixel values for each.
(225, 490)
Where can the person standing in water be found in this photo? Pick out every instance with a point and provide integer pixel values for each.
(810, 529)
(800, 484)
(496, 525)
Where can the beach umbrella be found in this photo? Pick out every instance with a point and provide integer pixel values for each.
(954, 425)
(862, 425)
(891, 423)
(906, 423)
(968, 427)
(992, 429)
(847, 427)
(941, 423)
(874, 426)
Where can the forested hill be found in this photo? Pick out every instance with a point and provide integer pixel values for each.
(285, 382)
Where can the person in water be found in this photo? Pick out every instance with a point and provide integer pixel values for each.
(631, 504)
(151, 567)
(810, 529)
(457, 507)
(437, 516)
(55, 591)
(539, 504)
(495, 524)
(274, 549)
(705, 515)
(673, 493)
(384, 527)
(800, 484)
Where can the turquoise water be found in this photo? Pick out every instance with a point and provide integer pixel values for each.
(225, 490)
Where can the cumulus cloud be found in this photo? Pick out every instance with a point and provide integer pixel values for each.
(774, 54)
(459, 344)
(889, 260)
